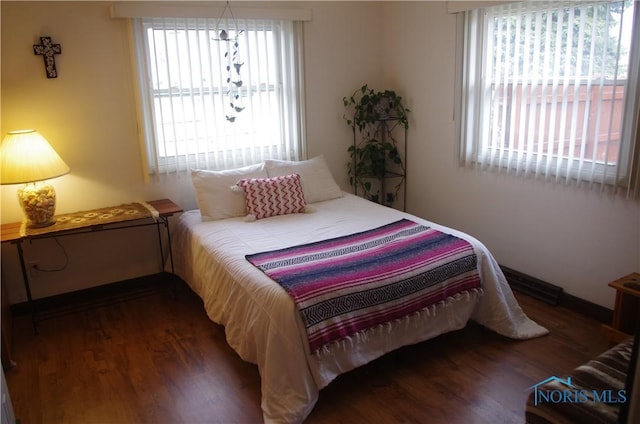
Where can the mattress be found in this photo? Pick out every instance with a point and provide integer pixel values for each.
(263, 325)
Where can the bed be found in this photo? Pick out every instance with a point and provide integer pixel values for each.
(213, 247)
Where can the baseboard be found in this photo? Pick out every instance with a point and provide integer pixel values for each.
(538, 289)
(96, 296)
(584, 307)
(555, 295)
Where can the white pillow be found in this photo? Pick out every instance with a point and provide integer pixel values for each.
(317, 182)
(214, 193)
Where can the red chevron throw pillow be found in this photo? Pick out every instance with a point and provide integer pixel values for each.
(267, 197)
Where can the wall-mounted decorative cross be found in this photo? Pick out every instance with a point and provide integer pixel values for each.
(47, 49)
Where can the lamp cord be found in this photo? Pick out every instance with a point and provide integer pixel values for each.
(66, 260)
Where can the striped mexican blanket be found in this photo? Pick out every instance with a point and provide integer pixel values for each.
(346, 285)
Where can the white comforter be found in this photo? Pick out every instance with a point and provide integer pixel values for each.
(263, 325)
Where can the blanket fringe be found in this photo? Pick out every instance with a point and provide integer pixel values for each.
(415, 318)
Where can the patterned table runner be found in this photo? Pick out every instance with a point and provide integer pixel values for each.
(102, 216)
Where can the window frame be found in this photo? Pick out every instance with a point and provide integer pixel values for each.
(471, 113)
(293, 110)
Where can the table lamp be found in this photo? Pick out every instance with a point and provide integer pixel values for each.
(27, 158)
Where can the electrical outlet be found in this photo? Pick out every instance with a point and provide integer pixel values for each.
(32, 268)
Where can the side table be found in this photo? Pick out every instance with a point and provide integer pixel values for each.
(626, 312)
(119, 217)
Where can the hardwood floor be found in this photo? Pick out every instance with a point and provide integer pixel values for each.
(158, 359)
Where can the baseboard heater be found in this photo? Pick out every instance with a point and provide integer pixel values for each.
(538, 289)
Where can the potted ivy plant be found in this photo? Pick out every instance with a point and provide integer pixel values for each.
(369, 114)
(368, 106)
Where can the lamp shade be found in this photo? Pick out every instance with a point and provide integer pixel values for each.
(25, 156)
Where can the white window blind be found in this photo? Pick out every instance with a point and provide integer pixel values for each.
(198, 112)
(550, 89)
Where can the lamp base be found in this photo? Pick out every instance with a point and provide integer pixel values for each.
(38, 202)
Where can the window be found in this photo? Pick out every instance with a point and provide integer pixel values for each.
(551, 89)
(214, 100)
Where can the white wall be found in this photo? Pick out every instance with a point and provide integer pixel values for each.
(342, 52)
(571, 237)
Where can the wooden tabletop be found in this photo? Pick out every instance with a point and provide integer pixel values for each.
(13, 231)
(619, 284)
(10, 231)
(165, 207)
